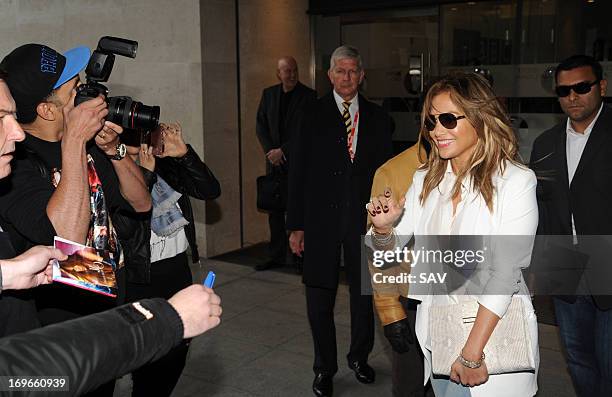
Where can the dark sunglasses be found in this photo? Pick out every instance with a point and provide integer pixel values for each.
(584, 87)
(448, 121)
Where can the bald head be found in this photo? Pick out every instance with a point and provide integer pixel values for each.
(287, 61)
(287, 72)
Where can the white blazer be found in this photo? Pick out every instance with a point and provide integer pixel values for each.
(515, 212)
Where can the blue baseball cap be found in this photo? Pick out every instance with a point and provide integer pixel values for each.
(34, 70)
(76, 60)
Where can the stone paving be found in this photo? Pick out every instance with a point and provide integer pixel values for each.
(263, 346)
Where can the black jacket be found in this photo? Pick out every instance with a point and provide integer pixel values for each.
(17, 308)
(24, 196)
(270, 133)
(189, 176)
(92, 350)
(587, 197)
(328, 193)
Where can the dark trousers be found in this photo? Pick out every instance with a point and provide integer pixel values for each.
(278, 237)
(586, 333)
(17, 313)
(159, 378)
(407, 368)
(320, 304)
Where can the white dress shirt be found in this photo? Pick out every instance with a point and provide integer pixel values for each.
(575, 143)
(353, 109)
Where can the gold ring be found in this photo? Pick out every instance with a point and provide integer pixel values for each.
(102, 134)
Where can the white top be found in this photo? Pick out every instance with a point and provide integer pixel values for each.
(574, 146)
(353, 109)
(515, 212)
(169, 246)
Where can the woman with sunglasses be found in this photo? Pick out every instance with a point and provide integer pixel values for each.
(470, 184)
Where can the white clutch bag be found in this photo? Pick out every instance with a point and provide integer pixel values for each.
(508, 349)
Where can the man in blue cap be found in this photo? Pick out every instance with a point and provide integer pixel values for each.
(70, 174)
(130, 336)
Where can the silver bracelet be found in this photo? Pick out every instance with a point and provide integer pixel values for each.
(471, 364)
(381, 240)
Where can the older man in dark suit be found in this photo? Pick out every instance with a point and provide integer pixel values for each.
(342, 140)
(574, 166)
(277, 118)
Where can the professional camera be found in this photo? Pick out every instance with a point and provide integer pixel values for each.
(122, 110)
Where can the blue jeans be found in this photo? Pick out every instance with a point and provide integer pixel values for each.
(443, 387)
(586, 333)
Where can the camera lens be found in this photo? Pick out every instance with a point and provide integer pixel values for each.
(145, 117)
(132, 114)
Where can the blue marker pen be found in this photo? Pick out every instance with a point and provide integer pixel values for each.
(210, 279)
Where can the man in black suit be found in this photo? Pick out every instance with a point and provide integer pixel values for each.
(277, 118)
(573, 162)
(341, 142)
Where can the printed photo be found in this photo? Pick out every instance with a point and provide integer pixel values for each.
(85, 268)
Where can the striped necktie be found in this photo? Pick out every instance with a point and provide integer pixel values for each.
(346, 116)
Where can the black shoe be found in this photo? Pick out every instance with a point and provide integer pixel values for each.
(322, 386)
(363, 372)
(268, 265)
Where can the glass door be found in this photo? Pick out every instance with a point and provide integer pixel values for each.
(400, 55)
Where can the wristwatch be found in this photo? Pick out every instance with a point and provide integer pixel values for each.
(120, 152)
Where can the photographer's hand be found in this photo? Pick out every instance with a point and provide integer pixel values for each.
(68, 208)
(131, 181)
(107, 138)
(147, 160)
(174, 144)
(82, 122)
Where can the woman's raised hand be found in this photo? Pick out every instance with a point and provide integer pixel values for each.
(147, 160)
(174, 144)
(385, 211)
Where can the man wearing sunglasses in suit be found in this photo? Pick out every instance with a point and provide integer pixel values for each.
(573, 162)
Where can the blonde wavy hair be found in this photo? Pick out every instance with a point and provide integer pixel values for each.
(496, 143)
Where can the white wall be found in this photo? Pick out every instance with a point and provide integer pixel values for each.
(167, 70)
(269, 29)
(187, 64)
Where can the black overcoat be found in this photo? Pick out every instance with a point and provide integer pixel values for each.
(328, 192)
